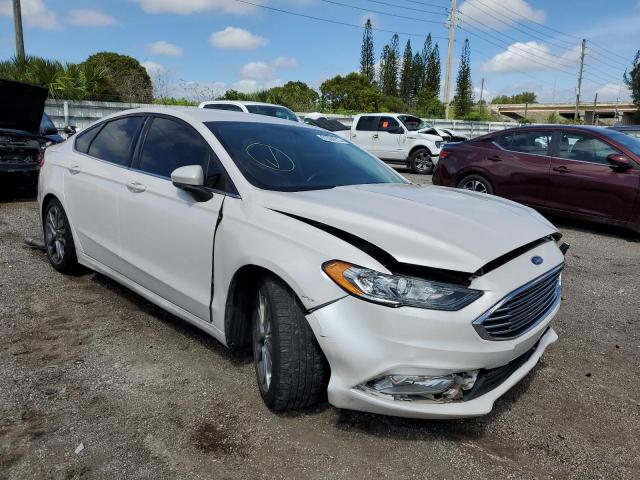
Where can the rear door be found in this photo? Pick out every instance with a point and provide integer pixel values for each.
(520, 164)
(167, 237)
(582, 180)
(93, 182)
(366, 128)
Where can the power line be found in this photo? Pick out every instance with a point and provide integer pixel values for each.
(335, 22)
(404, 17)
(394, 5)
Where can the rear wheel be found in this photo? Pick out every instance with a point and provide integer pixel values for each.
(58, 240)
(477, 183)
(420, 161)
(290, 368)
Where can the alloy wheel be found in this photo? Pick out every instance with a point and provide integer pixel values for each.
(55, 234)
(263, 343)
(423, 161)
(475, 185)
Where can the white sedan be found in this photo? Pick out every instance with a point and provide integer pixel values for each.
(343, 278)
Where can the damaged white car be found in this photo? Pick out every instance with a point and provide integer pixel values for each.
(343, 278)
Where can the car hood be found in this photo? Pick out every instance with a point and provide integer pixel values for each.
(22, 106)
(421, 225)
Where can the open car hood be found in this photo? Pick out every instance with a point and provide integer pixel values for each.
(429, 226)
(22, 106)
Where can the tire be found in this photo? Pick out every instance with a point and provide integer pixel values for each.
(58, 239)
(476, 183)
(420, 161)
(284, 341)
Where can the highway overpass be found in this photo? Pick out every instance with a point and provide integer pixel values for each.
(607, 113)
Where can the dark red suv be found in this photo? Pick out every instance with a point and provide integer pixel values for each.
(590, 172)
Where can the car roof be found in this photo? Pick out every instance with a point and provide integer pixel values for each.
(202, 115)
(239, 102)
(625, 127)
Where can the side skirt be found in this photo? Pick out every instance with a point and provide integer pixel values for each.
(152, 297)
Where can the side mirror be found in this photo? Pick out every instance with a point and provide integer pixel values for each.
(70, 130)
(618, 161)
(191, 179)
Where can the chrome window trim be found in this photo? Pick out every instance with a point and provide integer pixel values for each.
(477, 323)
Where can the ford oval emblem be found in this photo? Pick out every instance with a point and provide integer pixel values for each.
(537, 260)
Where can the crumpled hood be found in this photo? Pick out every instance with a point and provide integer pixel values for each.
(22, 106)
(422, 225)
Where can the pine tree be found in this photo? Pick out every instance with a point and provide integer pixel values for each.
(418, 74)
(389, 67)
(427, 49)
(463, 99)
(406, 77)
(432, 78)
(367, 55)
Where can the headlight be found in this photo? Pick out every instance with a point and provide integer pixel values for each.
(398, 290)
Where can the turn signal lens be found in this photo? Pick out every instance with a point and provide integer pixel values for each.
(444, 154)
(398, 290)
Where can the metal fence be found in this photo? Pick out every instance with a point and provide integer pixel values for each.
(82, 113)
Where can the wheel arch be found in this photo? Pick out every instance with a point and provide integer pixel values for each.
(415, 148)
(479, 173)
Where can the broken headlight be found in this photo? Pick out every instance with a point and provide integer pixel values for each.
(398, 290)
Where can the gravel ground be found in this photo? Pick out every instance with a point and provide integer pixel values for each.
(86, 363)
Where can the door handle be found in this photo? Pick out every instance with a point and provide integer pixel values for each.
(136, 187)
(74, 170)
(495, 158)
(376, 136)
(561, 169)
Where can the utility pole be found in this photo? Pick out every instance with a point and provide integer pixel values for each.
(481, 91)
(447, 77)
(595, 105)
(584, 46)
(17, 20)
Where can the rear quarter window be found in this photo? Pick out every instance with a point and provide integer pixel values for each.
(84, 139)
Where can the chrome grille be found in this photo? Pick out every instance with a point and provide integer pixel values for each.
(522, 309)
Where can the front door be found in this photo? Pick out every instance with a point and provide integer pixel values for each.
(167, 237)
(583, 181)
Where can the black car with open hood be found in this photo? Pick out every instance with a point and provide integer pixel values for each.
(21, 142)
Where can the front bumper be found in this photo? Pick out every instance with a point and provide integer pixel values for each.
(364, 341)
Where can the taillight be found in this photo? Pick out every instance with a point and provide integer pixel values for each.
(41, 158)
(444, 154)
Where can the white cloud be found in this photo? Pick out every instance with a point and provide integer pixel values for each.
(89, 18)
(187, 7)
(264, 70)
(248, 86)
(34, 14)
(531, 56)
(498, 13)
(237, 39)
(165, 48)
(153, 68)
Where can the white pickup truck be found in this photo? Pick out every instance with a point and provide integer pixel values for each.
(395, 139)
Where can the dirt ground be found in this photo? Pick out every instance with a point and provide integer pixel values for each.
(86, 363)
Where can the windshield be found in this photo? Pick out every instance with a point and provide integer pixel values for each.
(293, 158)
(413, 123)
(272, 111)
(631, 143)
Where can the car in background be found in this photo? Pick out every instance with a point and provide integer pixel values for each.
(24, 131)
(587, 172)
(386, 136)
(633, 130)
(257, 108)
(289, 241)
(319, 120)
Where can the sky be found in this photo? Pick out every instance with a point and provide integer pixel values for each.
(199, 48)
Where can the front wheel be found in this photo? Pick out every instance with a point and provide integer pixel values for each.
(58, 239)
(477, 183)
(290, 367)
(420, 161)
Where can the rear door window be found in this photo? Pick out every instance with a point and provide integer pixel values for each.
(504, 141)
(532, 142)
(367, 124)
(115, 141)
